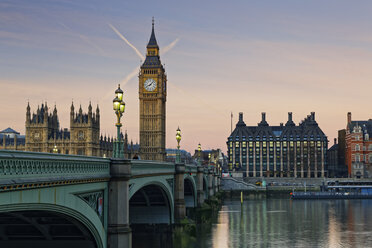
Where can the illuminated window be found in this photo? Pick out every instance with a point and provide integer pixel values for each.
(244, 144)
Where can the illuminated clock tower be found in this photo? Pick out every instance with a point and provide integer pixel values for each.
(152, 98)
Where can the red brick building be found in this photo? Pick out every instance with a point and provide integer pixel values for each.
(358, 148)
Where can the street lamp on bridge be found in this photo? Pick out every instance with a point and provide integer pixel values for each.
(199, 154)
(178, 138)
(119, 108)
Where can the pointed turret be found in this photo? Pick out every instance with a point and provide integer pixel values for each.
(72, 108)
(46, 113)
(72, 112)
(90, 113)
(55, 110)
(152, 46)
(28, 113)
(90, 108)
(152, 42)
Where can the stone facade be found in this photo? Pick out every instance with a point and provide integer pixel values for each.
(152, 99)
(278, 151)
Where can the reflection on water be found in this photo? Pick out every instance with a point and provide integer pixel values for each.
(282, 223)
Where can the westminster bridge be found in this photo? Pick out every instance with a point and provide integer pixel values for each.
(54, 200)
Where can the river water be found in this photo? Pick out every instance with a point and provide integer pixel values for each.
(279, 222)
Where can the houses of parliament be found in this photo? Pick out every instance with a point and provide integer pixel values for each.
(43, 134)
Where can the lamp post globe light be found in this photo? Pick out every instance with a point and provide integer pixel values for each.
(199, 154)
(178, 138)
(119, 108)
(55, 149)
(209, 159)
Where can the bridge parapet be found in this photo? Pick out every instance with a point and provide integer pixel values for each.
(142, 168)
(22, 168)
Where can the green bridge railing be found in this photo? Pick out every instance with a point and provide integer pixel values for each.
(18, 167)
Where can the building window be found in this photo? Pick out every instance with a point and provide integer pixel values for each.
(370, 147)
(357, 158)
(357, 147)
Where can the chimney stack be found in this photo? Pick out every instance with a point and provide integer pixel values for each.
(313, 116)
(240, 116)
(263, 116)
(348, 117)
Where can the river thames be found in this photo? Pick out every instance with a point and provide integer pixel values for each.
(280, 222)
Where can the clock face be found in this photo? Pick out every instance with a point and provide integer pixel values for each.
(150, 84)
(36, 136)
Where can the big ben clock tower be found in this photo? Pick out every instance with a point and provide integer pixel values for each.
(152, 98)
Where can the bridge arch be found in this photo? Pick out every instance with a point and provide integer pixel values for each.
(47, 225)
(151, 202)
(190, 191)
(63, 202)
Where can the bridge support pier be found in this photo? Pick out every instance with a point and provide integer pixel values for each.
(179, 197)
(210, 183)
(200, 192)
(219, 182)
(119, 232)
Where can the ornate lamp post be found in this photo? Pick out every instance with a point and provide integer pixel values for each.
(178, 138)
(55, 149)
(119, 108)
(209, 159)
(199, 154)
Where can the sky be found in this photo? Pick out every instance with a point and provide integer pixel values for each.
(220, 57)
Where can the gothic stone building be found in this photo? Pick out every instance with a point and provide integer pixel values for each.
(358, 154)
(43, 134)
(278, 151)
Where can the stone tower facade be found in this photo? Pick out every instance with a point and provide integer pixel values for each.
(152, 96)
(43, 133)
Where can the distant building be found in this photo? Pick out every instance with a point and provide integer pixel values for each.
(214, 157)
(332, 157)
(12, 140)
(358, 148)
(278, 151)
(336, 166)
(171, 156)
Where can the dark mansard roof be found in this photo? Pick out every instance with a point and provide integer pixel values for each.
(308, 129)
(366, 126)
